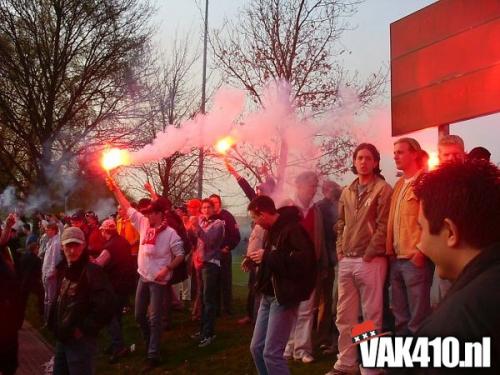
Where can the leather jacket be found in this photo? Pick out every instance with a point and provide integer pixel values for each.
(85, 300)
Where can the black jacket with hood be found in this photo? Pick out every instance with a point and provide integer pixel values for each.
(288, 268)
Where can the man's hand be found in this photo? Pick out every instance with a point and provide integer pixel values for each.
(111, 183)
(246, 264)
(225, 250)
(160, 276)
(257, 255)
(229, 166)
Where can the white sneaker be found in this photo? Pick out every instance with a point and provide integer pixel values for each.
(307, 358)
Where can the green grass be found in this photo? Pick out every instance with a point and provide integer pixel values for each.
(229, 353)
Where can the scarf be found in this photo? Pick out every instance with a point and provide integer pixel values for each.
(152, 233)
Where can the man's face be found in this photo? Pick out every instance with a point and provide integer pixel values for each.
(365, 163)
(217, 205)
(155, 218)
(105, 234)
(73, 251)
(450, 153)
(306, 190)
(434, 246)
(51, 232)
(193, 210)
(261, 219)
(404, 157)
(207, 209)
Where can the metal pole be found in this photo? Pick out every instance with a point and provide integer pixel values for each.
(203, 99)
(443, 130)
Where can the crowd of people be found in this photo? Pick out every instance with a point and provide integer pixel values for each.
(364, 252)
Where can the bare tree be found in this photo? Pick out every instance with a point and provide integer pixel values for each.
(172, 98)
(68, 69)
(298, 41)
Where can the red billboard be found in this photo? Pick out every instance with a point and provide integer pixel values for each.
(445, 64)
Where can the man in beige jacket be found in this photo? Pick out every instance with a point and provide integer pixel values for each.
(361, 236)
(410, 271)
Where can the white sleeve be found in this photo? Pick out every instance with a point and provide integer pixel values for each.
(136, 218)
(176, 245)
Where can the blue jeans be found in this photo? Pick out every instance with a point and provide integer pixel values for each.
(270, 335)
(75, 357)
(115, 326)
(150, 294)
(411, 297)
(209, 274)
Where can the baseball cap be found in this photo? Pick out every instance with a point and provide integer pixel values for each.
(71, 235)
(108, 224)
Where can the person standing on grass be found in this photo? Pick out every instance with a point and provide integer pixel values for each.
(85, 303)
(120, 266)
(53, 256)
(231, 240)
(361, 237)
(255, 240)
(286, 276)
(410, 271)
(210, 233)
(160, 251)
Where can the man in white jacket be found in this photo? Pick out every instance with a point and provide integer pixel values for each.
(52, 257)
(160, 252)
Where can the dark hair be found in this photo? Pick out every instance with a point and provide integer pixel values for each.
(207, 200)
(262, 203)
(479, 153)
(27, 226)
(217, 197)
(373, 150)
(143, 203)
(466, 193)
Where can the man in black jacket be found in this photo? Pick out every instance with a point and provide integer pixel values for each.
(85, 303)
(286, 276)
(460, 220)
(120, 267)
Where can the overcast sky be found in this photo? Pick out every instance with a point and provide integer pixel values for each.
(369, 46)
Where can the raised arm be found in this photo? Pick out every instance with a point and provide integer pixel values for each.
(154, 196)
(119, 196)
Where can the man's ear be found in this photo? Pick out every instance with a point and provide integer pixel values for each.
(452, 234)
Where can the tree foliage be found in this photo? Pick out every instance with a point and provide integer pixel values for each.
(171, 98)
(68, 72)
(297, 41)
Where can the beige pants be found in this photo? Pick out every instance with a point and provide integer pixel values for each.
(359, 284)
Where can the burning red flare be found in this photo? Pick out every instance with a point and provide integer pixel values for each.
(114, 157)
(224, 145)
